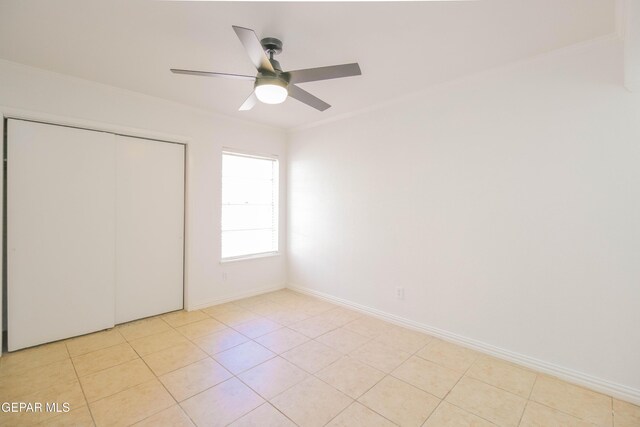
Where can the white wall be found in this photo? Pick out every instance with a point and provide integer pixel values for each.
(507, 205)
(41, 91)
(630, 26)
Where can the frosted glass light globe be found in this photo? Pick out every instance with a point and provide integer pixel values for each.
(271, 94)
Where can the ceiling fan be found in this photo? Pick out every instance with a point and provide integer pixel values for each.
(271, 84)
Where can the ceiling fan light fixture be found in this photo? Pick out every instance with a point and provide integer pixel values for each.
(272, 91)
(271, 84)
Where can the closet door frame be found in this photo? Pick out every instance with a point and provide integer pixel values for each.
(7, 113)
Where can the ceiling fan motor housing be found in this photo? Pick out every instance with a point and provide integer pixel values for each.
(277, 80)
(271, 44)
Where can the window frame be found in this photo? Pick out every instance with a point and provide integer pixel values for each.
(276, 203)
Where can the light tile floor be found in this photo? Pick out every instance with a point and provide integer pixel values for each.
(287, 359)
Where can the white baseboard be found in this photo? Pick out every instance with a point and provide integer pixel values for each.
(234, 297)
(616, 390)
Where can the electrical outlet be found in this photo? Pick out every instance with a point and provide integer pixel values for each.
(224, 276)
(400, 293)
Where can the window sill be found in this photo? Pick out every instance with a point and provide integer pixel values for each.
(248, 257)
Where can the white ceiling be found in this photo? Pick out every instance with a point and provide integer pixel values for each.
(401, 47)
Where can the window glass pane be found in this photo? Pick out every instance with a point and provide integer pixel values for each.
(249, 205)
(237, 243)
(246, 191)
(243, 217)
(247, 167)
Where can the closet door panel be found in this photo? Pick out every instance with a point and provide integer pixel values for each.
(150, 227)
(60, 232)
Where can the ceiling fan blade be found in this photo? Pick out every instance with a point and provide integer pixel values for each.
(254, 48)
(212, 74)
(324, 73)
(306, 98)
(249, 103)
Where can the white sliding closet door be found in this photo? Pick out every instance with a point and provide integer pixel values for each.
(61, 232)
(150, 227)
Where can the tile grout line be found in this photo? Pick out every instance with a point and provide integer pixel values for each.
(339, 391)
(434, 411)
(266, 400)
(501, 360)
(560, 410)
(464, 374)
(358, 401)
(523, 412)
(499, 387)
(139, 357)
(98, 349)
(472, 413)
(613, 421)
(564, 412)
(81, 387)
(310, 375)
(157, 378)
(528, 399)
(378, 382)
(233, 375)
(343, 355)
(415, 354)
(535, 381)
(127, 341)
(295, 306)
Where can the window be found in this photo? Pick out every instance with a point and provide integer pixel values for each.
(249, 205)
